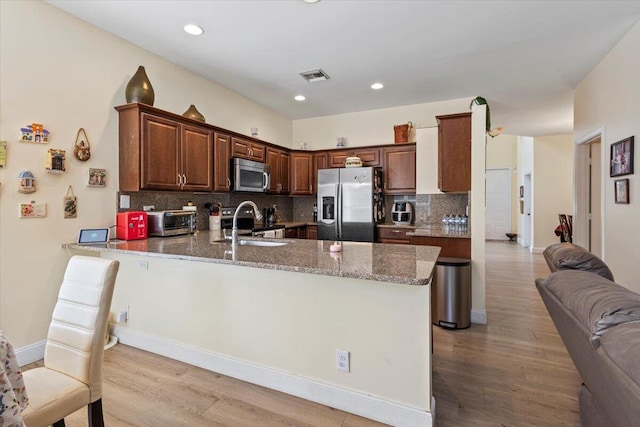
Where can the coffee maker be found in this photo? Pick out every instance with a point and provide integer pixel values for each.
(402, 213)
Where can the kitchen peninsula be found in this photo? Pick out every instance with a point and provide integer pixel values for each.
(275, 316)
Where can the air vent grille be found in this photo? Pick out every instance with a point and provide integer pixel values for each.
(315, 76)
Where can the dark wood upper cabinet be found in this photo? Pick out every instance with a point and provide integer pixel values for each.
(278, 162)
(246, 149)
(302, 169)
(369, 156)
(221, 158)
(399, 171)
(454, 152)
(158, 152)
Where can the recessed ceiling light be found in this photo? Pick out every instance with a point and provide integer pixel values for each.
(299, 98)
(193, 29)
(377, 86)
(310, 1)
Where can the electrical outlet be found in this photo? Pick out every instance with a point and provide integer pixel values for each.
(148, 208)
(343, 360)
(143, 264)
(123, 316)
(125, 201)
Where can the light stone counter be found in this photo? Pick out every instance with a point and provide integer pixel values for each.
(400, 264)
(439, 232)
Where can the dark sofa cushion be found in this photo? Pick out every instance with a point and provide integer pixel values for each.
(596, 302)
(567, 256)
(622, 345)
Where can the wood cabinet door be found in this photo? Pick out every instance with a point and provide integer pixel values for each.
(320, 161)
(312, 232)
(301, 173)
(160, 155)
(273, 161)
(246, 149)
(399, 169)
(393, 235)
(283, 157)
(337, 158)
(454, 152)
(369, 156)
(222, 166)
(278, 162)
(450, 246)
(197, 158)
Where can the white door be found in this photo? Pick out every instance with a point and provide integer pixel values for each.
(526, 237)
(498, 204)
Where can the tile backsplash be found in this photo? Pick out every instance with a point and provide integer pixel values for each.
(429, 208)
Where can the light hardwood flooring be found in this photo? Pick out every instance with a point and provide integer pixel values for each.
(513, 372)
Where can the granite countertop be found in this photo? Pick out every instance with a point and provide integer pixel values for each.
(391, 225)
(439, 232)
(401, 264)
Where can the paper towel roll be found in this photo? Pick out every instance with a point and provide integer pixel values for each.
(214, 222)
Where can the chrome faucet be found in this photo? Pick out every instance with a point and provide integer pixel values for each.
(234, 229)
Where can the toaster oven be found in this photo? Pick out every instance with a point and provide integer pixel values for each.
(171, 222)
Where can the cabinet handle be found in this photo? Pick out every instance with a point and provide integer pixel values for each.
(179, 181)
(228, 183)
(184, 180)
(396, 231)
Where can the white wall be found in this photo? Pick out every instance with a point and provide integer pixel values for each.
(373, 127)
(502, 153)
(553, 186)
(60, 71)
(609, 98)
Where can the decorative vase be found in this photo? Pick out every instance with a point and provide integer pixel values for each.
(193, 113)
(139, 88)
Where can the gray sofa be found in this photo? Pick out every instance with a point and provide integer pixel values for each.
(599, 323)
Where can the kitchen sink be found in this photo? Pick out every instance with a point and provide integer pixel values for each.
(261, 243)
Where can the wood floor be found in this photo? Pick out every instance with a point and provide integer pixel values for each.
(513, 372)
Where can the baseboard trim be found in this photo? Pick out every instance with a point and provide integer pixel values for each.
(535, 250)
(346, 400)
(30, 353)
(479, 317)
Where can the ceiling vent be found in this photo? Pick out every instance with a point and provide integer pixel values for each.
(315, 76)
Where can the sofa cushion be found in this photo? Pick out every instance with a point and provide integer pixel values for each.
(567, 256)
(596, 302)
(622, 345)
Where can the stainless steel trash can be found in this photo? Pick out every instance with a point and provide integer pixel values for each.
(451, 293)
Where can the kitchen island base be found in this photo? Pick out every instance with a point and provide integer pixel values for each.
(281, 329)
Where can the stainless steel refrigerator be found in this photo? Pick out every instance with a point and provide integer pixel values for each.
(350, 203)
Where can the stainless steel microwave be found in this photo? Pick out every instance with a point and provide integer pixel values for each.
(249, 176)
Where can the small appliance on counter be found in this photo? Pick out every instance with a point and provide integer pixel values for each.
(402, 213)
(171, 222)
(131, 225)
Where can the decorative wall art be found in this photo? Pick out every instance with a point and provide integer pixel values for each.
(33, 210)
(56, 161)
(621, 191)
(81, 147)
(621, 162)
(97, 177)
(35, 132)
(3, 154)
(26, 182)
(70, 204)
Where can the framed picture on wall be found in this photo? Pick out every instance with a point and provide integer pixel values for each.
(622, 191)
(621, 162)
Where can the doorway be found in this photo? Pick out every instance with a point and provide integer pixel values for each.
(589, 217)
(498, 204)
(527, 208)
